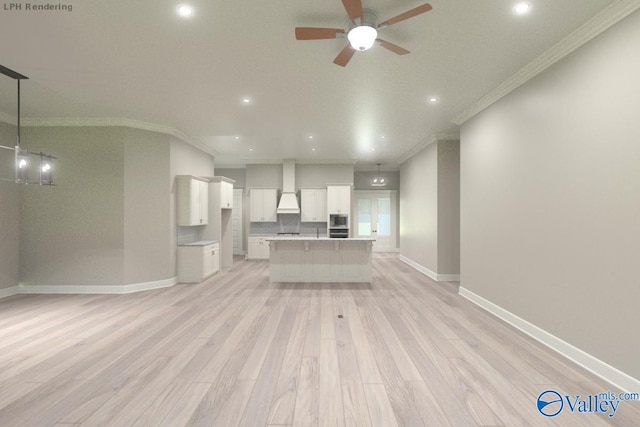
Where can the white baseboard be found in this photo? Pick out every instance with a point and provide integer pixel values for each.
(587, 361)
(424, 270)
(7, 292)
(63, 289)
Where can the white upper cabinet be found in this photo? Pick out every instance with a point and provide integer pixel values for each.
(338, 199)
(223, 191)
(313, 205)
(193, 200)
(263, 204)
(226, 195)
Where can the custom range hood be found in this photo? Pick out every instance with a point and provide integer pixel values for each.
(288, 201)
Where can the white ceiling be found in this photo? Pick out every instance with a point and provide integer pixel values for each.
(138, 60)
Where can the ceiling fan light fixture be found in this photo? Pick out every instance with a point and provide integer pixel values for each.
(185, 10)
(362, 37)
(522, 8)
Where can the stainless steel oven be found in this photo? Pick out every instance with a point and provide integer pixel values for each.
(338, 233)
(338, 226)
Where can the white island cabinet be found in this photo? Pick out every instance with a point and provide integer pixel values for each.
(310, 259)
(258, 247)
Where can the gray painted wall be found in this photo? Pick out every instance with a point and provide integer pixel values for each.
(449, 207)
(419, 208)
(111, 218)
(237, 174)
(147, 249)
(9, 212)
(73, 234)
(320, 175)
(362, 180)
(430, 208)
(550, 199)
(264, 176)
(307, 175)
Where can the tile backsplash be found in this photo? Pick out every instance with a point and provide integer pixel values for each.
(190, 234)
(288, 223)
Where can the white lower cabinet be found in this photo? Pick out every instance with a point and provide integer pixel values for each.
(196, 263)
(258, 248)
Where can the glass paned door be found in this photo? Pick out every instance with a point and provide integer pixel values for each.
(376, 219)
(364, 218)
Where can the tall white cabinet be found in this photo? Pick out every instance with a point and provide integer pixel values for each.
(338, 199)
(192, 200)
(220, 227)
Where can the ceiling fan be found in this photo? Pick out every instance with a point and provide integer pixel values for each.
(362, 32)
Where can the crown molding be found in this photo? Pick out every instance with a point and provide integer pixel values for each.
(431, 139)
(108, 122)
(604, 20)
(243, 163)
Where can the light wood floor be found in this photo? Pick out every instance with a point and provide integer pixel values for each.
(237, 350)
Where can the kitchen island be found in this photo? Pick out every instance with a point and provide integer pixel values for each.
(319, 259)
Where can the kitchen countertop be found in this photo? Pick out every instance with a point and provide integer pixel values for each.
(200, 243)
(323, 238)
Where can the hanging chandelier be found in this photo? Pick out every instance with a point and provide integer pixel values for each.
(26, 161)
(378, 180)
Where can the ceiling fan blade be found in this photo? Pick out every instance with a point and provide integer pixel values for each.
(310, 33)
(409, 14)
(353, 8)
(392, 47)
(344, 56)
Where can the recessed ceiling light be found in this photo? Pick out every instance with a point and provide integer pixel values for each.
(373, 149)
(250, 149)
(313, 149)
(522, 8)
(185, 10)
(310, 136)
(382, 137)
(237, 137)
(246, 100)
(433, 99)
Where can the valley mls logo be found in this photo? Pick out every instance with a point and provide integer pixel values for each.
(551, 403)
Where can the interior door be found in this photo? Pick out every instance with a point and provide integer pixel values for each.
(376, 218)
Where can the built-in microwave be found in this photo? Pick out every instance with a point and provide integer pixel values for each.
(339, 221)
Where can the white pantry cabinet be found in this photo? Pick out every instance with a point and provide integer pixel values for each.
(338, 199)
(197, 262)
(222, 192)
(258, 248)
(263, 204)
(193, 200)
(313, 205)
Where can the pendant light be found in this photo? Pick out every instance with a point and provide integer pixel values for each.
(23, 157)
(378, 180)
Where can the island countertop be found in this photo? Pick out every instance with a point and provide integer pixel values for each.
(321, 238)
